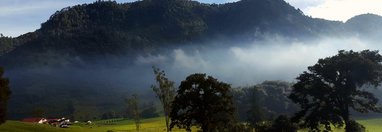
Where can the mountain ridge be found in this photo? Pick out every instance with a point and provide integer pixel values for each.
(149, 23)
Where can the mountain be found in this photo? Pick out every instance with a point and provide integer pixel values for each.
(365, 25)
(109, 28)
(82, 62)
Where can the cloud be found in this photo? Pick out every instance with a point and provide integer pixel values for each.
(303, 4)
(281, 54)
(283, 60)
(248, 64)
(190, 62)
(341, 10)
(151, 59)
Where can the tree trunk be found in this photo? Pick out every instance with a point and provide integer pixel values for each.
(347, 125)
(167, 123)
(205, 128)
(346, 117)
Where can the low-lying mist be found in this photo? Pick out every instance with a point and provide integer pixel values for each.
(252, 63)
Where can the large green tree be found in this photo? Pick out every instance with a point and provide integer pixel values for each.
(5, 93)
(165, 91)
(205, 102)
(333, 86)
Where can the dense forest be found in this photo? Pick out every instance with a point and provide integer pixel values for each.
(106, 27)
(82, 63)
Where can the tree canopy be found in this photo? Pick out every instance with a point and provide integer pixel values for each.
(333, 86)
(5, 93)
(205, 102)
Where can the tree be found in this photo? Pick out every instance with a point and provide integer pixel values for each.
(5, 93)
(249, 105)
(205, 102)
(165, 91)
(256, 114)
(133, 110)
(328, 90)
(149, 110)
(263, 102)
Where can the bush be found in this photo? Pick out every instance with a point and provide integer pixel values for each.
(354, 126)
(264, 126)
(241, 128)
(281, 124)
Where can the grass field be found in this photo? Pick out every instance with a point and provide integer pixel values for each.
(148, 125)
(372, 125)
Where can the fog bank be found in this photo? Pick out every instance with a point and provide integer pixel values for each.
(248, 64)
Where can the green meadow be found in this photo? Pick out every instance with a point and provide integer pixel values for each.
(147, 125)
(371, 124)
(118, 125)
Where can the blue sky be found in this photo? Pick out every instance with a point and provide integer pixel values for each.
(22, 16)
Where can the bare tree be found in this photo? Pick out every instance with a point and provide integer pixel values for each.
(133, 110)
(165, 91)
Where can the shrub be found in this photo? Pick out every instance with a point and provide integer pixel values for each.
(354, 126)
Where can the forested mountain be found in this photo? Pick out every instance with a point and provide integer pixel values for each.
(72, 64)
(366, 25)
(104, 28)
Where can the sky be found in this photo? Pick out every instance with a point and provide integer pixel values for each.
(21, 16)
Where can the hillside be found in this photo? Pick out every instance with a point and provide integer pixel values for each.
(366, 25)
(109, 28)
